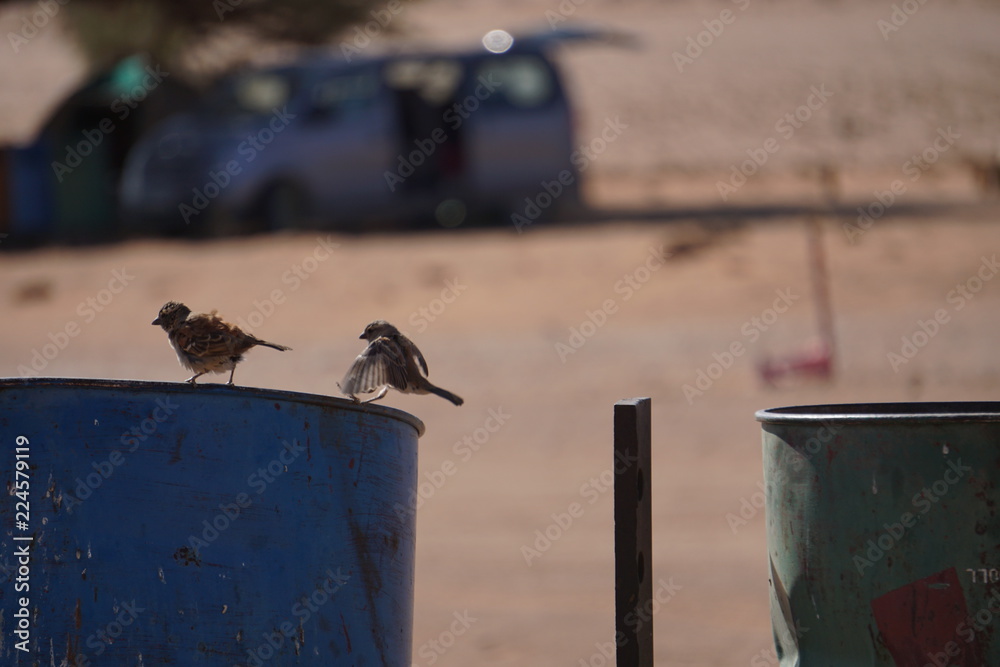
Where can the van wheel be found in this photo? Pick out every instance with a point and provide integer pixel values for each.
(284, 206)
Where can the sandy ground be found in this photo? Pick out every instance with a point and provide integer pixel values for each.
(515, 301)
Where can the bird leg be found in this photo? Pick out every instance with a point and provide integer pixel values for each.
(354, 399)
(231, 373)
(382, 393)
(194, 377)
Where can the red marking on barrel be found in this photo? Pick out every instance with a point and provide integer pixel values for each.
(923, 622)
(831, 452)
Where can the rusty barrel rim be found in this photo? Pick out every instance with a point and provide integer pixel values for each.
(219, 389)
(882, 413)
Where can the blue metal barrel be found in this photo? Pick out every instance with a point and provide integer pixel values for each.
(163, 524)
(883, 534)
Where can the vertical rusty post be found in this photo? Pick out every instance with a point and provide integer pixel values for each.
(830, 181)
(820, 281)
(633, 533)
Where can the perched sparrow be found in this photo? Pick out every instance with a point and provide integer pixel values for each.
(390, 360)
(205, 343)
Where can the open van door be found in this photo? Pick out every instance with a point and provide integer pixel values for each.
(517, 129)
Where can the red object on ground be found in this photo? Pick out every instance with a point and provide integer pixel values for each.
(816, 362)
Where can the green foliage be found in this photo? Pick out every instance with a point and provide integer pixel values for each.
(108, 30)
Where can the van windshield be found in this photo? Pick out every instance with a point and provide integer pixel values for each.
(252, 93)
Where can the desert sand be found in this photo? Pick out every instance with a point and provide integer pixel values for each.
(495, 311)
(515, 300)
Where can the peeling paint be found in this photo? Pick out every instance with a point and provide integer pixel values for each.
(889, 541)
(221, 601)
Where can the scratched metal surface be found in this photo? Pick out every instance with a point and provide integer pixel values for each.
(305, 558)
(882, 534)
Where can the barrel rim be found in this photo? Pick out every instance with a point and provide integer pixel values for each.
(217, 388)
(881, 413)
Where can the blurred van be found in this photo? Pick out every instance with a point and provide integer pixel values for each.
(449, 138)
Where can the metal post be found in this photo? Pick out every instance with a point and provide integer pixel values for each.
(830, 181)
(633, 534)
(820, 283)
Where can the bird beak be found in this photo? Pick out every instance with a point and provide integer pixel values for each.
(362, 336)
(156, 321)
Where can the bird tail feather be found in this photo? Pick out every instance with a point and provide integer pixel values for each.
(444, 393)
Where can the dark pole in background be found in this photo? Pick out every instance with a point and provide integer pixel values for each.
(633, 534)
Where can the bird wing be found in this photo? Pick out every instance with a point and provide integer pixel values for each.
(382, 363)
(207, 336)
(413, 351)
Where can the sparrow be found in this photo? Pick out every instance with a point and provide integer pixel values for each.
(390, 360)
(205, 343)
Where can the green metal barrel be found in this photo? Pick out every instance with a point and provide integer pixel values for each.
(882, 534)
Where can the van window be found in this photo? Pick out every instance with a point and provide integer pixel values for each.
(523, 82)
(347, 93)
(259, 92)
(433, 80)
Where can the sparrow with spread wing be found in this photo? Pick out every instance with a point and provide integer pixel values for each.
(204, 342)
(390, 360)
